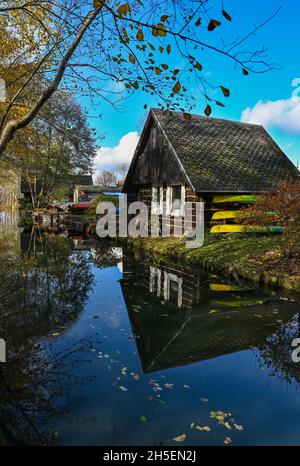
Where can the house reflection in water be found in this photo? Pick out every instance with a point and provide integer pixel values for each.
(180, 317)
(166, 283)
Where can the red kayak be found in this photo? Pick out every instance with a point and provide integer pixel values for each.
(79, 206)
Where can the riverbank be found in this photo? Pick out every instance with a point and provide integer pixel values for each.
(251, 258)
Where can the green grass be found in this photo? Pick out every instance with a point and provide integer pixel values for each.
(241, 255)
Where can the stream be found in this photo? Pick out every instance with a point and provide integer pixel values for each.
(107, 347)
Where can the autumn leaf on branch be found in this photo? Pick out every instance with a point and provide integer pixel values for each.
(226, 92)
(213, 24)
(226, 15)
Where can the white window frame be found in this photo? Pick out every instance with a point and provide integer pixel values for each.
(168, 277)
(155, 208)
(155, 279)
(175, 212)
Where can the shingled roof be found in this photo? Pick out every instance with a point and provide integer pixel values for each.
(225, 156)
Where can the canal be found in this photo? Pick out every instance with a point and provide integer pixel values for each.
(106, 347)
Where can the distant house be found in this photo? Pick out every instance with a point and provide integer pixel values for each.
(69, 181)
(90, 192)
(179, 160)
(120, 183)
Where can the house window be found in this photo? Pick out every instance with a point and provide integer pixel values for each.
(176, 200)
(155, 281)
(157, 200)
(173, 288)
(176, 197)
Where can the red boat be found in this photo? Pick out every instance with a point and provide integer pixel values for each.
(79, 206)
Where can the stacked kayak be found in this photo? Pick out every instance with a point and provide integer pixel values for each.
(226, 219)
(228, 296)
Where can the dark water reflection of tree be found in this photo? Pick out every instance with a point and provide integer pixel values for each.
(41, 292)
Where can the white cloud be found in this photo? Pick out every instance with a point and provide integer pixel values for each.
(282, 114)
(108, 158)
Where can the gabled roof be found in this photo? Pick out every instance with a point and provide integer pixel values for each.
(224, 156)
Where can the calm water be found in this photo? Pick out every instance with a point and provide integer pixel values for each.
(109, 349)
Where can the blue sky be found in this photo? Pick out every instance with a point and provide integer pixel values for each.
(267, 97)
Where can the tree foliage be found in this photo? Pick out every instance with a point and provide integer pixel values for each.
(110, 50)
(58, 143)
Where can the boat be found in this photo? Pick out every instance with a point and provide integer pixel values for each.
(79, 206)
(218, 229)
(221, 287)
(224, 214)
(242, 302)
(242, 199)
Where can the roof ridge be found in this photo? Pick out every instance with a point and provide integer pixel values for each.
(242, 123)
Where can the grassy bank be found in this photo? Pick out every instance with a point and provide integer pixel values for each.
(253, 258)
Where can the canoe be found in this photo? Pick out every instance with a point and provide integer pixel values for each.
(217, 229)
(242, 302)
(225, 287)
(228, 214)
(80, 206)
(225, 214)
(242, 199)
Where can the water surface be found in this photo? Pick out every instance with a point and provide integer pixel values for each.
(105, 348)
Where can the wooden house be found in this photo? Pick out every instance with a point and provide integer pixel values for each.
(179, 161)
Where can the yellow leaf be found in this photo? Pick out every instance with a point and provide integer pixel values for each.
(206, 428)
(180, 438)
(168, 49)
(164, 66)
(176, 87)
(164, 18)
(124, 9)
(157, 70)
(132, 58)
(159, 30)
(140, 35)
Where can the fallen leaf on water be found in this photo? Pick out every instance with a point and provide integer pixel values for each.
(55, 334)
(204, 400)
(150, 398)
(238, 427)
(135, 376)
(228, 426)
(227, 441)
(186, 386)
(123, 389)
(180, 438)
(123, 370)
(170, 386)
(143, 419)
(206, 428)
